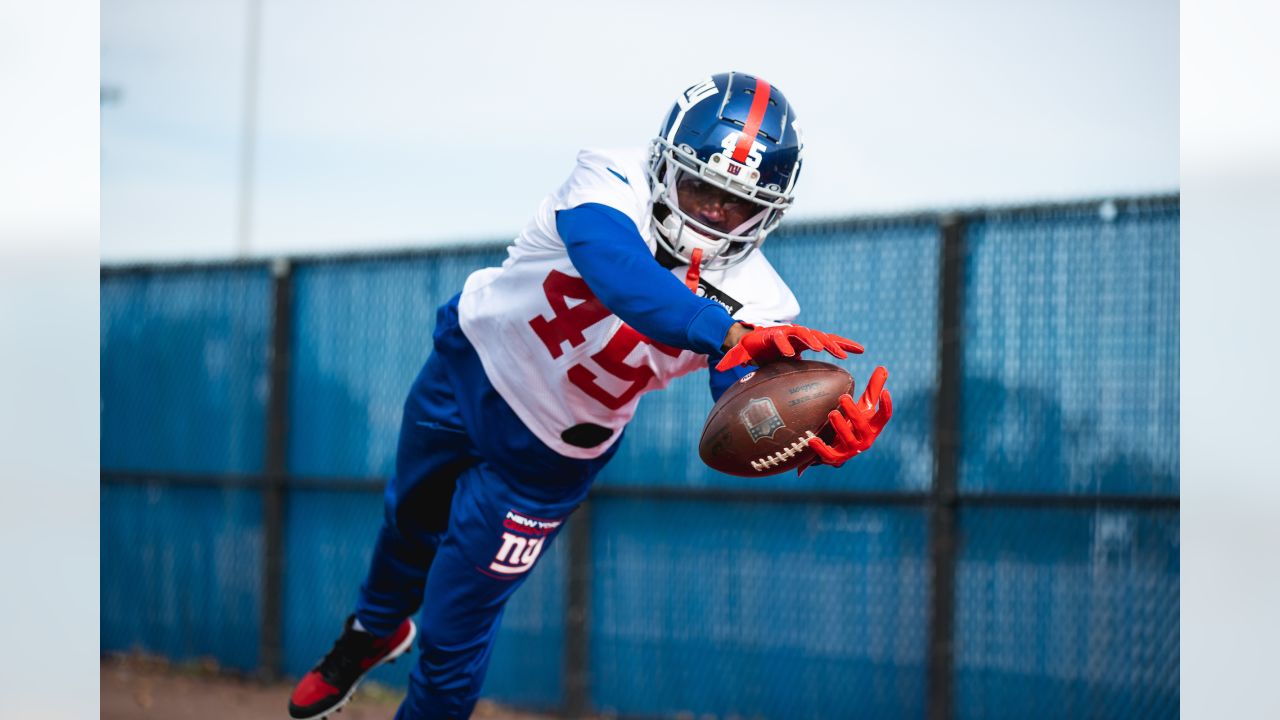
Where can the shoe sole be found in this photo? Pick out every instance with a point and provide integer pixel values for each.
(390, 658)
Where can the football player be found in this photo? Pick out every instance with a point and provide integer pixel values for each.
(642, 267)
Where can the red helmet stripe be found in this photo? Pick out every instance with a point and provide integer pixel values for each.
(759, 103)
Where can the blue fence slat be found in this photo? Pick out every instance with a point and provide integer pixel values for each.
(362, 330)
(1071, 352)
(1067, 613)
(758, 611)
(181, 573)
(183, 368)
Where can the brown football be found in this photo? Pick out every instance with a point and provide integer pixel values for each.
(762, 424)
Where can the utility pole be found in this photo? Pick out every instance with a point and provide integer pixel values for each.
(109, 95)
(248, 127)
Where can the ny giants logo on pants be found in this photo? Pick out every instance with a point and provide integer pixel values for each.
(518, 553)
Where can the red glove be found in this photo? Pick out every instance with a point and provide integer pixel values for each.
(857, 425)
(767, 344)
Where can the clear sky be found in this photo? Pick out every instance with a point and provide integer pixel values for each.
(410, 123)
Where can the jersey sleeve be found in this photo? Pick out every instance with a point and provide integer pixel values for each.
(721, 380)
(607, 178)
(608, 252)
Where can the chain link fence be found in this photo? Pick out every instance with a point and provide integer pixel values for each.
(1009, 549)
(1067, 613)
(1071, 351)
(184, 359)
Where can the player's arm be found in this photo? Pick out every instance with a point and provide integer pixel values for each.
(609, 254)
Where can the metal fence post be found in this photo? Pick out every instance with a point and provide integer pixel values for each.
(270, 654)
(577, 680)
(946, 443)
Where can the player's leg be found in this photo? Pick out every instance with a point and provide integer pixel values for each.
(496, 536)
(432, 451)
(505, 511)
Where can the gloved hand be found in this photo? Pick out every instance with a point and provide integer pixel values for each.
(767, 344)
(857, 425)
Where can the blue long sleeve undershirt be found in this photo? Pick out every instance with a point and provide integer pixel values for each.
(723, 380)
(608, 252)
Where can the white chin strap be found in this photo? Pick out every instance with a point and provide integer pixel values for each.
(684, 240)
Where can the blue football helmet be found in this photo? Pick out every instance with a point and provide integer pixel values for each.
(722, 168)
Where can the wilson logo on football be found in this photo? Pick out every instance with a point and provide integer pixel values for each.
(761, 418)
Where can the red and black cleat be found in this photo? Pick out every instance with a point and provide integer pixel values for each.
(329, 685)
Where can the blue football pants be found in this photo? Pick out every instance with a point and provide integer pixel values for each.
(475, 501)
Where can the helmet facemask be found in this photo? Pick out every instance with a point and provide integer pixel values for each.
(755, 209)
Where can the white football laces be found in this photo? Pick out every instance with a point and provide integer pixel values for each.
(784, 454)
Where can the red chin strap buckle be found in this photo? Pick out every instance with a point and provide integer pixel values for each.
(695, 271)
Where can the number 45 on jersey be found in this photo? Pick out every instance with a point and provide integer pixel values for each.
(567, 325)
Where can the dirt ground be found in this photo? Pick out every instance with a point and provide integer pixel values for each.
(137, 688)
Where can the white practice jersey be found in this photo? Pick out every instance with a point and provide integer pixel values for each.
(553, 353)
